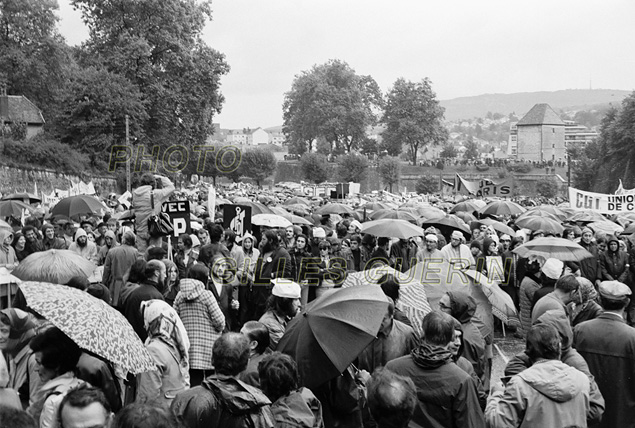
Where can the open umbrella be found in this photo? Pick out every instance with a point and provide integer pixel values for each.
(497, 226)
(256, 207)
(393, 214)
(27, 198)
(466, 206)
(91, 323)
(270, 220)
(297, 200)
(557, 248)
(550, 210)
(14, 208)
(502, 304)
(447, 222)
(391, 229)
(5, 225)
(332, 331)
(56, 266)
(298, 209)
(587, 216)
(429, 212)
(502, 208)
(374, 206)
(78, 205)
(334, 208)
(540, 223)
(465, 216)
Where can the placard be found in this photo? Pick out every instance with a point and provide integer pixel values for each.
(484, 187)
(601, 202)
(237, 218)
(179, 212)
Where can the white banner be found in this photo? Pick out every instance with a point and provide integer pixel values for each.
(601, 202)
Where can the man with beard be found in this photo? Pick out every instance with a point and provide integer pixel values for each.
(110, 241)
(85, 248)
(403, 254)
(150, 289)
(430, 250)
(33, 243)
(457, 253)
(274, 262)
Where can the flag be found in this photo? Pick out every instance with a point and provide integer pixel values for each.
(211, 201)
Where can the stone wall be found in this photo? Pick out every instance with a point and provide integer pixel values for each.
(24, 180)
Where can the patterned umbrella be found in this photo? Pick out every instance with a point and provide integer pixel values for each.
(91, 323)
(56, 266)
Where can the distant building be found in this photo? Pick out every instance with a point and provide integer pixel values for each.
(258, 137)
(276, 136)
(15, 109)
(539, 135)
(577, 134)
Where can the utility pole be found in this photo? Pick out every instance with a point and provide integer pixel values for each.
(128, 186)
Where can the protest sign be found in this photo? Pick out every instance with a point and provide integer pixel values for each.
(237, 218)
(179, 212)
(601, 202)
(484, 187)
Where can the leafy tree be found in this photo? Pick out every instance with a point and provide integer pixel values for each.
(315, 167)
(333, 102)
(390, 170)
(369, 146)
(412, 116)
(547, 187)
(258, 164)
(157, 46)
(448, 151)
(92, 112)
(472, 149)
(427, 184)
(352, 167)
(33, 55)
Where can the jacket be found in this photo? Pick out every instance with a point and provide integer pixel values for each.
(528, 287)
(463, 308)
(607, 344)
(569, 356)
(223, 401)
(550, 302)
(298, 409)
(203, 319)
(614, 264)
(117, 264)
(590, 268)
(276, 325)
(160, 386)
(142, 204)
(548, 394)
(398, 340)
(447, 396)
(98, 373)
(53, 392)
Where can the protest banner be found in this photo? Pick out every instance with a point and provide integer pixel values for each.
(601, 202)
(484, 187)
(179, 212)
(237, 218)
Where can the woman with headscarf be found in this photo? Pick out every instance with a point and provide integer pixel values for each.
(168, 345)
(8, 257)
(457, 347)
(17, 328)
(587, 308)
(19, 246)
(614, 262)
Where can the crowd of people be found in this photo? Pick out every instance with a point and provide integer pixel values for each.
(212, 309)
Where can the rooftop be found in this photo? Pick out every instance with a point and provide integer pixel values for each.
(540, 114)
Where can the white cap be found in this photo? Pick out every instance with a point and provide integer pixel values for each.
(286, 288)
(614, 290)
(318, 232)
(553, 268)
(432, 237)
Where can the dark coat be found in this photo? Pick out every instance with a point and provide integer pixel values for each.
(590, 268)
(614, 265)
(223, 401)
(607, 344)
(132, 306)
(447, 396)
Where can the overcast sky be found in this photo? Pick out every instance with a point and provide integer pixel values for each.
(465, 47)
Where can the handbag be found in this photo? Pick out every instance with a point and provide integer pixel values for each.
(159, 224)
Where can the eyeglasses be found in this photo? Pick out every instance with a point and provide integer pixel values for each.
(506, 240)
(442, 306)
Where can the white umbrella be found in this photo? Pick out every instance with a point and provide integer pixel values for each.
(270, 220)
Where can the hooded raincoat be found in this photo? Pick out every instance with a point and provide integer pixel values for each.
(203, 320)
(614, 264)
(8, 258)
(548, 394)
(223, 401)
(298, 409)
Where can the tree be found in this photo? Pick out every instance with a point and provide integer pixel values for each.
(157, 46)
(471, 151)
(93, 109)
(369, 147)
(547, 187)
(412, 116)
(390, 170)
(258, 164)
(33, 55)
(448, 151)
(333, 102)
(352, 167)
(427, 184)
(315, 167)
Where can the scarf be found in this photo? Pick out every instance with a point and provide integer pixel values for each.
(430, 357)
(22, 329)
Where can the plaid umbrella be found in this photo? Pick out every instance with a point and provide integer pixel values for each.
(91, 323)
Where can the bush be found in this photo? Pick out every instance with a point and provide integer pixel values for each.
(547, 187)
(440, 164)
(522, 168)
(427, 184)
(482, 167)
(44, 152)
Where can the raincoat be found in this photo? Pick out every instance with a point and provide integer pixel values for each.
(614, 264)
(223, 401)
(548, 394)
(528, 287)
(142, 205)
(298, 409)
(8, 258)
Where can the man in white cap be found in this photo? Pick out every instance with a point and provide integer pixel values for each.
(607, 344)
(457, 253)
(282, 306)
(430, 251)
(551, 272)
